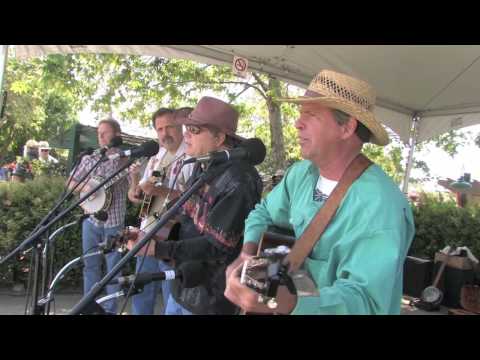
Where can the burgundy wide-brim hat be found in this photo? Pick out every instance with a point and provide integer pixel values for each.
(216, 113)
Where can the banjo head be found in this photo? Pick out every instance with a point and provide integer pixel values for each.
(432, 295)
(97, 201)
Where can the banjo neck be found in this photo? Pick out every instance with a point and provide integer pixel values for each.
(119, 176)
(116, 178)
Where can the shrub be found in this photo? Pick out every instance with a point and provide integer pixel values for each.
(22, 207)
(439, 223)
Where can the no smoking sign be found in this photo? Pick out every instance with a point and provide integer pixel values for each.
(240, 66)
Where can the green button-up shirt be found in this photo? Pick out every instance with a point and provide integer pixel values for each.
(357, 264)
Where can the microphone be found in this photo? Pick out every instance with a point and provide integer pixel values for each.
(191, 274)
(145, 278)
(251, 150)
(147, 149)
(115, 142)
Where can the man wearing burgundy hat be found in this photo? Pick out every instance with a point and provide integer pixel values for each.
(212, 220)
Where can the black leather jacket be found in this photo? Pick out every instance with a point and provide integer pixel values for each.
(212, 225)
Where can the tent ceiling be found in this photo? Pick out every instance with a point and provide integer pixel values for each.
(439, 83)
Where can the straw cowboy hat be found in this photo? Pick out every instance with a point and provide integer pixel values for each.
(352, 96)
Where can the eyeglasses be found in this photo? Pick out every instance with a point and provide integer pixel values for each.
(43, 150)
(196, 129)
(193, 129)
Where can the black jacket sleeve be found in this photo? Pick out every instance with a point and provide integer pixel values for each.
(196, 248)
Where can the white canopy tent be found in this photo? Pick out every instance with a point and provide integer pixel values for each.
(423, 91)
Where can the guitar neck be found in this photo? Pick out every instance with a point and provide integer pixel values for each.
(145, 209)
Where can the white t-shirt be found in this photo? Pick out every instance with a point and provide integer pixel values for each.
(324, 188)
(155, 162)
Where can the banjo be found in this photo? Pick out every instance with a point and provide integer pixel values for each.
(102, 198)
(432, 296)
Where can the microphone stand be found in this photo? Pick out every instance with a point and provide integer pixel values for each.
(104, 248)
(86, 301)
(46, 277)
(34, 239)
(39, 270)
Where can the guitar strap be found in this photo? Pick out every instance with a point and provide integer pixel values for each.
(304, 245)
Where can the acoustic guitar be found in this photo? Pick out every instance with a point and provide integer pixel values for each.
(259, 273)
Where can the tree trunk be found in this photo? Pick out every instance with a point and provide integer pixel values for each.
(276, 133)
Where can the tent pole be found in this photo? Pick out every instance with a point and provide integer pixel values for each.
(413, 142)
(3, 66)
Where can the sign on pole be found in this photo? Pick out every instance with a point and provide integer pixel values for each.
(240, 66)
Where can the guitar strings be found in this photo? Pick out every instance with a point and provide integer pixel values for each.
(173, 185)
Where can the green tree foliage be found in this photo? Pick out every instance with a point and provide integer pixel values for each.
(450, 141)
(46, 93)
(39, 104)
(388, 158)
(439, 223)
(136, 86)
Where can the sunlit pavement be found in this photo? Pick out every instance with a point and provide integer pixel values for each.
(14, 304)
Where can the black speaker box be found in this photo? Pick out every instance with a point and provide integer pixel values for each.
(417, 275)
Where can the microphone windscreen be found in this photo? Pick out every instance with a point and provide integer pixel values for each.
(116, 141)
(256, 150)
(150, 148)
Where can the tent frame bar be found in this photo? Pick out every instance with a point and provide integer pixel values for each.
(413, 142)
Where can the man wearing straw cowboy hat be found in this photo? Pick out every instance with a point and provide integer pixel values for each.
(357, 262)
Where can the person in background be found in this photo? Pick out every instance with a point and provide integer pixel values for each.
(44, 152)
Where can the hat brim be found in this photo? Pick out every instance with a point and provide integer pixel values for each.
(191, 120)
(367, 118)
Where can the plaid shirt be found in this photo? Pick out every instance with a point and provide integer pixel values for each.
(116, 211)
